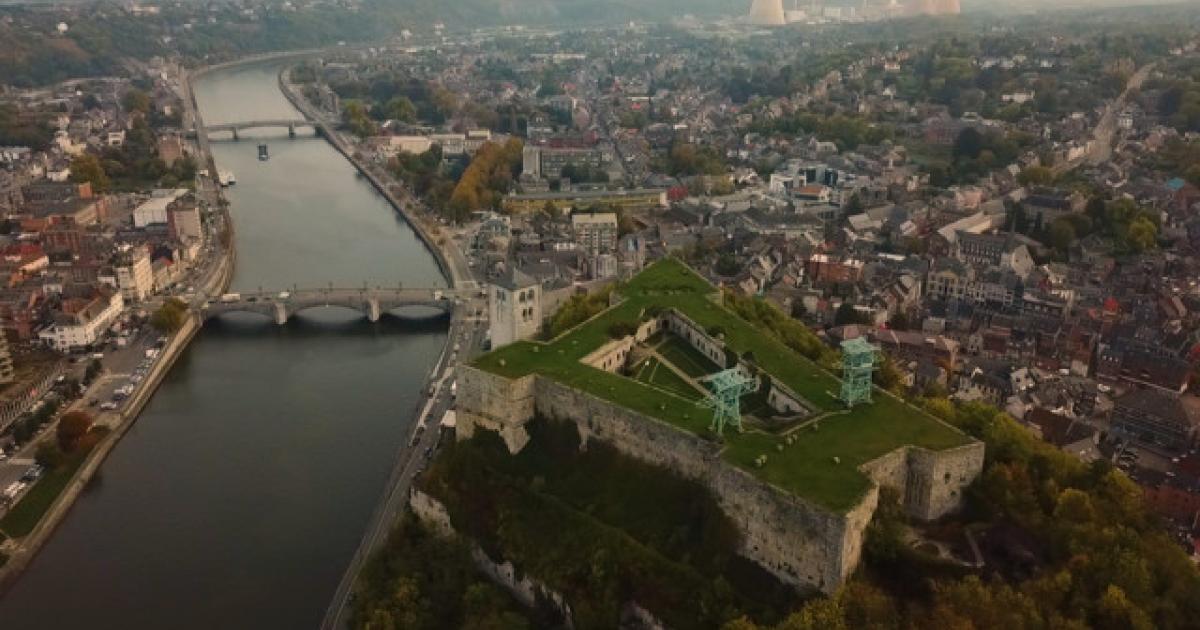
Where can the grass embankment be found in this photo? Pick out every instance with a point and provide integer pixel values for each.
(26, 514)
(807, 468)
(602, 529)
(653, 372)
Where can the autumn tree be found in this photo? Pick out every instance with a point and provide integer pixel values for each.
(170, 316)
(86, 167)
(71, 427)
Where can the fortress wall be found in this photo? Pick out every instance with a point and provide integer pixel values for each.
(635, 435)
(611, 356)
(691, 332)
(784, 400)
(937, 479)
(930, 483)
(495, 403)
(802, 544)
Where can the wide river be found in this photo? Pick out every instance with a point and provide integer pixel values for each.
(240, 495)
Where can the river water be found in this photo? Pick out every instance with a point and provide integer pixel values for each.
(240, 495)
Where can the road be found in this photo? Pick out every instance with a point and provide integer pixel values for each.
(467, 333)
(1103, 136)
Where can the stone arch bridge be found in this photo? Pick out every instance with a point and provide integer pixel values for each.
(372, 303)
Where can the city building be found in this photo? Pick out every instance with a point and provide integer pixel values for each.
(133, 274)
(82, 321)
(595, 232)
(636, 200)
(154, 210)
(1157, 421)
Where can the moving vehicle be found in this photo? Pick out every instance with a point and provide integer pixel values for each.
(231, 297)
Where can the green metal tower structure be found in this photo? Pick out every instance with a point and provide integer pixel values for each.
(727, 387)
(858, 364)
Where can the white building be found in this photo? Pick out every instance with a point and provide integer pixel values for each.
(83, 321)
(154, 210)
(134, 274)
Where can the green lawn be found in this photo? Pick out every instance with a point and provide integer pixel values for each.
(687, 358)
(653, 372)
(807, 468)
(29, 510)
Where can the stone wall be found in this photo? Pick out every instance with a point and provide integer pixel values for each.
(930, 483)
(691, 332)
(495, 403)
(800, 543)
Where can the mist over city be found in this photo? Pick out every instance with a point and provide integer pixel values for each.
(636, 314)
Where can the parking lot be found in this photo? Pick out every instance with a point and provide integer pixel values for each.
(123, 368)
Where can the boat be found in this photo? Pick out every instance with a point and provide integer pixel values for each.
(226, 178)
(262, 153)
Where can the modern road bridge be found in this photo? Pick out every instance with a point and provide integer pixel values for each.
(289, 124)
(371, 302)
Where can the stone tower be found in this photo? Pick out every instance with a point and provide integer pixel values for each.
(514, 308)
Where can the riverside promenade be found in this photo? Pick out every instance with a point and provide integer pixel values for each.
(214, 281)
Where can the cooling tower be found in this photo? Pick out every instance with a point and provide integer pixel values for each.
(949, 7)
(924, 7)
(767, 13)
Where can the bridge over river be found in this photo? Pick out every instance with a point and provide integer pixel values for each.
(235, 127)
(373, 303)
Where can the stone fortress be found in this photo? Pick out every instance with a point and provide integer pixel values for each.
(799, 540)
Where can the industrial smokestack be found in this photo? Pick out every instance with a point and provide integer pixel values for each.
(767, 13)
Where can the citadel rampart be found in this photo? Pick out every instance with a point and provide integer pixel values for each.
(801, 543)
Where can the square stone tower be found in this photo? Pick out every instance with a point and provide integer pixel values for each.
(514, 308)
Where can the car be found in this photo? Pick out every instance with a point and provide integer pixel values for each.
(108, 406)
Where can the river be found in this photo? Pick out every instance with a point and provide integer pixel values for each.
(240, 495)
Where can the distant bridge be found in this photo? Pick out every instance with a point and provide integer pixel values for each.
(372, 303)
(289, 124)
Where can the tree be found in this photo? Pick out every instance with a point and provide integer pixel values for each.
(170, 316)
(136, 100)
(93, 370)
(71, 427)
(969, 144)
(1142, 234)
(727, 265)
(402, 109)
(846, 314)
(1062, 234)
(86, 167)
(49, 455)
(1036, 176)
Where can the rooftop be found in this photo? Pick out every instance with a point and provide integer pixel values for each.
(822, 463)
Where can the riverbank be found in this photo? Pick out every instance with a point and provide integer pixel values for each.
(31, 544)
(449, 258)
(215, 282)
